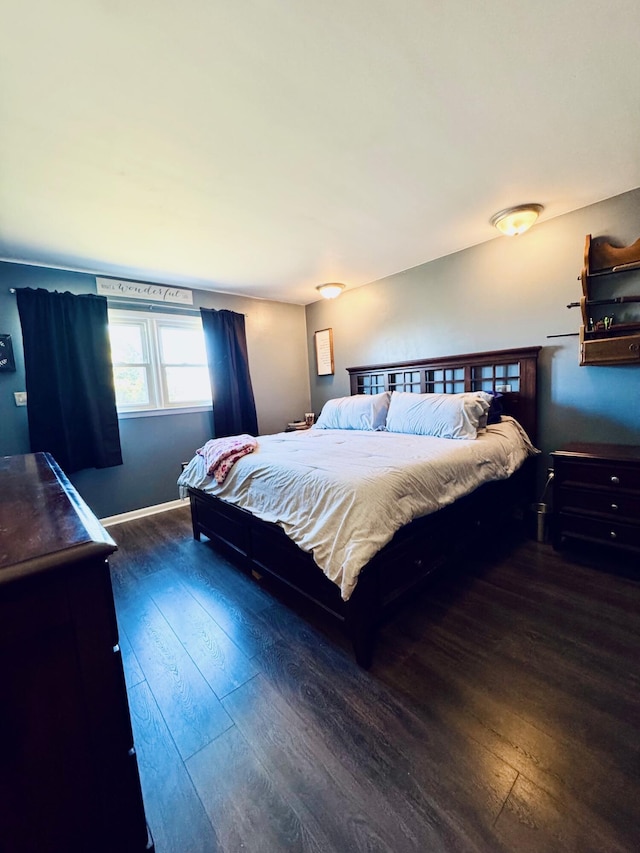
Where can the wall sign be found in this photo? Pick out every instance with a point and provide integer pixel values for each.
(139, 290)
(7, 361)
(324, 352)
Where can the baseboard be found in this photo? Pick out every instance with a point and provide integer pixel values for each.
(143, 512)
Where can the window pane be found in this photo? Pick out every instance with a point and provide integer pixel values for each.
(188, 384)
(182, 346)
(132, 388)
(127, 343)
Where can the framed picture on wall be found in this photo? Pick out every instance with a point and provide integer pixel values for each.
(7, 361)
(324, 352)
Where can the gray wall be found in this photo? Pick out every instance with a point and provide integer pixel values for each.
(504, 293)
(509, 292)
(154, 447)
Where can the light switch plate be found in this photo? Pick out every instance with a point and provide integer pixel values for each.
(20, 397)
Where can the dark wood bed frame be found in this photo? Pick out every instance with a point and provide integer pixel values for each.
(421, 547)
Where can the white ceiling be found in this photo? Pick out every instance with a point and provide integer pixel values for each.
(265, 146)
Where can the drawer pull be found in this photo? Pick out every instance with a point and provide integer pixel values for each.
(634, 347)
(615, 480)
(613, 534)
(614, 507)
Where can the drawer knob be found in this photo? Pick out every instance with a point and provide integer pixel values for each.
(613, 534)
(614, 507)
(615, 480)
(634, 347)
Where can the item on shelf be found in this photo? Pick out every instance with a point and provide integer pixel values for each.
(603, 324)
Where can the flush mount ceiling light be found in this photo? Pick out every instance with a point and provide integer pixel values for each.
(516, 220)
(330, 290)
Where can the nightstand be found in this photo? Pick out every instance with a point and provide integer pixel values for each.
(596, 495)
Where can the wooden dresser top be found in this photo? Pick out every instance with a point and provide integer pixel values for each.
(44, 523)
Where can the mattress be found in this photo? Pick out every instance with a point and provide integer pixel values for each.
(341, 495)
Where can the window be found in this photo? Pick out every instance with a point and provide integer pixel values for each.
(159, 362)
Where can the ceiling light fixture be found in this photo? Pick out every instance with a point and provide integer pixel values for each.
(331, 290)
(516, 220)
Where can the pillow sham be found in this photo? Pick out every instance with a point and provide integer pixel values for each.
(439, 415)
(494, 415)
(360, 411)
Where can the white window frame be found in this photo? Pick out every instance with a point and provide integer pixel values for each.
(150, 324)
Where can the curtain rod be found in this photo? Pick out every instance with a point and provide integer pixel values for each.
(150, 306)
(168, 307)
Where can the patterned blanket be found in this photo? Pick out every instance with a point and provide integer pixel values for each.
(220, 454)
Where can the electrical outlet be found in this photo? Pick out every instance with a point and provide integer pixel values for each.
(20, 397)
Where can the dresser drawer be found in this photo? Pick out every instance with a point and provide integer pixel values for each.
(596, 530)
(599, 474)
(623, 350)
(615, 505)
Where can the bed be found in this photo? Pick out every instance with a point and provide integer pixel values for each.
(396, 565)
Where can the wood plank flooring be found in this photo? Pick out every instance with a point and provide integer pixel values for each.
(502, 712)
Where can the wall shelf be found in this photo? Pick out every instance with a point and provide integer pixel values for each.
(603, 340)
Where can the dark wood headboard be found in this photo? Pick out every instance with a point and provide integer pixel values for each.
(513, 372)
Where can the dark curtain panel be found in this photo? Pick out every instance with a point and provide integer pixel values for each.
(234, 409)
(71, 397)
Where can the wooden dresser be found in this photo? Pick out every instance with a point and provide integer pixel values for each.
(68, 769)
(596, 494)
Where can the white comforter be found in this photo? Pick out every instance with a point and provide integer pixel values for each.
(342, 494)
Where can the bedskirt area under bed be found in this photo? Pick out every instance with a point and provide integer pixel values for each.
(425, 546)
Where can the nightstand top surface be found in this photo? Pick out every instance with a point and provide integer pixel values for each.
(626, 452)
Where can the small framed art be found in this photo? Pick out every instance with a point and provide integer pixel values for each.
(7, 361)
(324, 352)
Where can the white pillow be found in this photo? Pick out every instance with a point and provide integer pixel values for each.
(440, 415)
(361, 411)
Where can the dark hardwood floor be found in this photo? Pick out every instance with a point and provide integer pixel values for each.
(502, 712)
